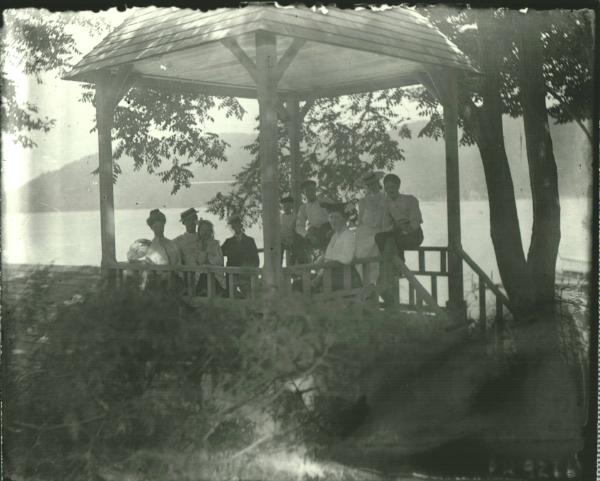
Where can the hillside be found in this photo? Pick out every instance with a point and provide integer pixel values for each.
(74, 188)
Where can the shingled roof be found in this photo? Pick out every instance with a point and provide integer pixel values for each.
(343, 51)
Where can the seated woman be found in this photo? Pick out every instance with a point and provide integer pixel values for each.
(340, 249)
(209, 254)
(241, 251)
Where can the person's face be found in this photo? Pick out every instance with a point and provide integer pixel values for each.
(237, 227)
(190, 223)
(392, 189)
(158, 227)
(337, 221)
(373, 186)
(310, 191)
(204, 230)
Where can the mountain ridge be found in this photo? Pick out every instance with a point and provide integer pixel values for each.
(63, 189)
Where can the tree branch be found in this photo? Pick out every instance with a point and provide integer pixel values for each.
(564, 103)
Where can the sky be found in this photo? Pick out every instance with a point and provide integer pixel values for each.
(71, 138)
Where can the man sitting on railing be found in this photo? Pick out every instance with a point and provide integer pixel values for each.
(340, 250)
(402, 220)
(241, 251)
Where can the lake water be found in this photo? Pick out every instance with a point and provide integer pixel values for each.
(73, 238)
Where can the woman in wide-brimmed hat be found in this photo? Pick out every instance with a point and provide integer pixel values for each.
(341, 247)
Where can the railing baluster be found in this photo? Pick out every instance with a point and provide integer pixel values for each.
(347, 277)
(482, 306)
(306, 283)
(419, 301)
(411, 295)
(434, 289)
(443, 261)
(366, 272)
(327, 279)
(210, 284)
(499, 316)
(119, 277)
(190, 284)
(231, 286)
(422, 260)
(253, 286)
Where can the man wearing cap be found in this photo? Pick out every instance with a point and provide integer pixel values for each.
(402, 220)
(188, 242)
(162, 251)
(312, 221)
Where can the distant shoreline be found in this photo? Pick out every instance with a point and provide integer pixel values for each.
(203, 206)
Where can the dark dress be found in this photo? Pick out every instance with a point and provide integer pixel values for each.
(240, 253)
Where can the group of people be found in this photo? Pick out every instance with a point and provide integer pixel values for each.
(388, 222)
(197, 246)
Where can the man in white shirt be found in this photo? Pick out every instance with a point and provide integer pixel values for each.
(312, 221)
(402, 220)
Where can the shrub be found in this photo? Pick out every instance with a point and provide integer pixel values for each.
(108, 374)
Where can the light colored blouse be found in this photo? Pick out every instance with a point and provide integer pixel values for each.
(341, 247)
(371, 210)
(210, 253)
(163, 252)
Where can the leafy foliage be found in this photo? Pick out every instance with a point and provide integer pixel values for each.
(154, 127)
(37, 43)
(342, 139)
(95, 379)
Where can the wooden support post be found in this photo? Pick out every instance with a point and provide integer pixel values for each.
(456, 303)
(266, 62)
(104, 121)
(294, 133)
(110, 88)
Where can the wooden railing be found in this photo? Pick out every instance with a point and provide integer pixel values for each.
(223, 282)
(416, 291)
(485, 284)
(297, 278)
(237, 283)
(301, 278)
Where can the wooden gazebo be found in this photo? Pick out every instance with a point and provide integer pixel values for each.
(284, 58)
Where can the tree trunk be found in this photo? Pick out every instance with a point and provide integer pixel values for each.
(545, 235)
(485, 123)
